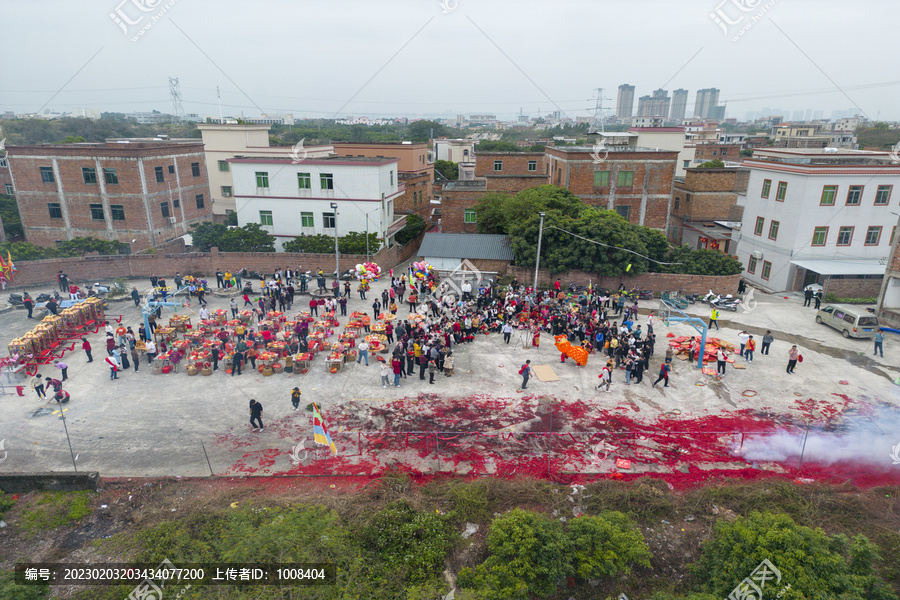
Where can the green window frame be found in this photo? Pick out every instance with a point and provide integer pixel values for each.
(307, 219)
(470, 216)
(767, 186)
(223, 166)
(828, 194)
(601, 178)
(326, 181)
(782, 191)
(883, 195)
(265, 218)
(96, 212)
(773, 229)
(854, 195)
(760, 223)
(625, 179)
(110, 176)
(89, 175)
(751, 265)
(304, 181)
(262, 179)
(820, 236)
(766, 270)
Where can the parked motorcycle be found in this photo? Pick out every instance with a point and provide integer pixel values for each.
(15, 299)
(731, 305)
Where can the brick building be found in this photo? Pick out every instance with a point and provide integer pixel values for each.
(723, 152)
(149, 193)
(458, 202)
(889, 298)
(6, 183)
(634, 181)
(413, 169)
(511, 172)
(703, 197)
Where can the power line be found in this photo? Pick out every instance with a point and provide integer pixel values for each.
(608, 246)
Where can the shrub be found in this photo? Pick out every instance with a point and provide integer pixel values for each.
(606, 545)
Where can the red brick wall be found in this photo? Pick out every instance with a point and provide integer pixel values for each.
(514, 163)
(181, 186)
(453, 206)
(90, 269)
(852, 288)
(416, 184)
(658, 282)
(513, 184)
(705, 151)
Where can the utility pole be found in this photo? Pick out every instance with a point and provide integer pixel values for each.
(537, 263)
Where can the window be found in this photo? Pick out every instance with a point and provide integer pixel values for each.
(160, 178)
(328, 220)
(96, 212)
(110, 176)
(601, 178)
(265, 217)
(854, 195)
(223, 166)
(307, 220)
(226, 191)
(715, 152)
(304, 181)
(760, 222)
(686, 164)
(262, 179)
(469, 216)
(47, 175)
(751, 265)
(773, 230)
(873, 235)
(845, 236)
(893, 233)
(766, 270)
(199, 199)
(625, 179)
(820, 234)
(498, 165)
(782, 191)
(326, 180)
(828, 193)
(767, 185)
(532, 165)
(724, 151)
(117, 211)
(55, 210)
(164, 209)
(624, 211)
(677, 202)
(89, 174)
(176, 202)
(883, 195)
(392, 179)
(195, 169)
(9, 189)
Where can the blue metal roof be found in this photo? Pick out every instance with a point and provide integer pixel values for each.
(466, 245)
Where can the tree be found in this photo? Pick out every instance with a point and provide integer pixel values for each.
(447, 169)
(746, 152)
(497, 212)
(316, 244)
(422, 131)
(497, 146)
(528, 554)
(73, 139)
(231, 218)
(207, 234)
(355, 243)
(816, 565)
(84, 245)
(712, 164)
(606, 546)
(701, 262)
(415, 224)
(249, 238)
(9, 214)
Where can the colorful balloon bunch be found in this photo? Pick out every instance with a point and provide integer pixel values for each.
(369, 271)
(421, 269)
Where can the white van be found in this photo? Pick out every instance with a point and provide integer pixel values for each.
(849, 320)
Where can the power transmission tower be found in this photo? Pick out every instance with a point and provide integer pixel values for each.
(596, 125)
(175, 94)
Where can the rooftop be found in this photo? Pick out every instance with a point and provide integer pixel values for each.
(473, 184)
(466, 245)
(323, 160)
(841, 267)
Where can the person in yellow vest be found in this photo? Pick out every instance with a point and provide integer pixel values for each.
(714, 318)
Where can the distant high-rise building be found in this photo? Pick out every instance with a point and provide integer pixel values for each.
(679, 105)
(808, 115)
(656, 105)
(707, 100)
(625, 101)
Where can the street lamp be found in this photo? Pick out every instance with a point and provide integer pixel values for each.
(337, 269)
(537, 263)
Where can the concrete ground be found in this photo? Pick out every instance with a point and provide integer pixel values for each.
(152, 425)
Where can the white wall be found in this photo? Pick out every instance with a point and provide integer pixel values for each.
(801, 213)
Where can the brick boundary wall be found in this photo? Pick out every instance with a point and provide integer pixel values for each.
(89, 269)
(658, 282)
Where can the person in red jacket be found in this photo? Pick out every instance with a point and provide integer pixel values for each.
(395, 364)
(86, 346)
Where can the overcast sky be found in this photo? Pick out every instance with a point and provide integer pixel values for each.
(318, 58)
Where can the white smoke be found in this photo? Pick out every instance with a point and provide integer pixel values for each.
(858, 440)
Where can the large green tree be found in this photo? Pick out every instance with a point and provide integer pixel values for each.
(415, 224)
(206, 235)
(249, 238)
(422, 131)
(446, 169)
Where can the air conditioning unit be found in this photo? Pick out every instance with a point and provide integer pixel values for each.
(171, 219)
(757, 255)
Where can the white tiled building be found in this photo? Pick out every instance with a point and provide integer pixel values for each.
(289, 199)
(812, 214)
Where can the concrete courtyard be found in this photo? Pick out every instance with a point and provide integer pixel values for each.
(178, 425)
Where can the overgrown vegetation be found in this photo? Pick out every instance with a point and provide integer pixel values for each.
(24, 132)
(9, 214)
(395, 539)
(830, 297)
(54, 510)
(446, 170)
(352, 243)
(626, 248)
(22, 251)
(877, 135)
(414, 226)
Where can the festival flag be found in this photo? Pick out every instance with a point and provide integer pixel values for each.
(320, 433)
(11, 266)
(2, 265)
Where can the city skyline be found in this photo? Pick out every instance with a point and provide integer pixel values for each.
(415, 59)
